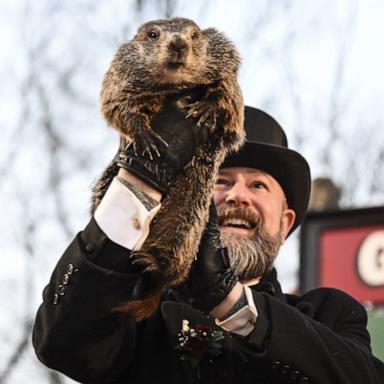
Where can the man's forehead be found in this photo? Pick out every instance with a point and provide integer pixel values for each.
(246, 170)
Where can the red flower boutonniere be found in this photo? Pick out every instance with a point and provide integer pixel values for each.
(197, 343)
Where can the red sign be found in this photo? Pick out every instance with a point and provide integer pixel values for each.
(344, 249)
(352, 259)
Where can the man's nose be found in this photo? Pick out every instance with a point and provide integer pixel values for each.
(238, 195)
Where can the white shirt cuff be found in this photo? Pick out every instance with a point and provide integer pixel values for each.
(122, 216)
(243, 321)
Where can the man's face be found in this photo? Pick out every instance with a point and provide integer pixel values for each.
(253, 215)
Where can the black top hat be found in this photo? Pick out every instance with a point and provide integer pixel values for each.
(266, 148)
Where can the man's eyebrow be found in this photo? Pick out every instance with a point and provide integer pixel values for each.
(261, 176)
(223, 172)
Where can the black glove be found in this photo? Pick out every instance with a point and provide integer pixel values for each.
(183, 136)
(211, 278)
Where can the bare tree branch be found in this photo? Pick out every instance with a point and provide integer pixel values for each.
(18, 351)
(336, 109)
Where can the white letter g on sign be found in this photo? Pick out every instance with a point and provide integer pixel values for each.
(370, 259)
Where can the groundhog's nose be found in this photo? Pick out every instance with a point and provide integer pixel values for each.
(178, 44)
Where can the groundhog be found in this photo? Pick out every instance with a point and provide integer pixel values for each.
(167, 58)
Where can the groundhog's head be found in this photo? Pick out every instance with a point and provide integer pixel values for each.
(175, 51)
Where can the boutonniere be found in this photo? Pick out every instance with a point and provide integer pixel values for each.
(195, 344)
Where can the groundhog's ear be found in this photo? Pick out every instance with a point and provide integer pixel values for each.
(210, 32)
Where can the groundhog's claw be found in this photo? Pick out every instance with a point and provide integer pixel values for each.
(205, 112)
(148, 142)
(143, 263)
(209, 120)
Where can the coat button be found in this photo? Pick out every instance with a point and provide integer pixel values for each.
(61, 290)
(90, 247)
(304, 380)
(275, 364)
(295, 375)
(70, 269)
(65, 278)
(55, 298)
(285, 369)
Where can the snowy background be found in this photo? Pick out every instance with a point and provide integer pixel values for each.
(316, 66)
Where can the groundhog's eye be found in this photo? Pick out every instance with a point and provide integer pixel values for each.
(194, 35)
(153, 35)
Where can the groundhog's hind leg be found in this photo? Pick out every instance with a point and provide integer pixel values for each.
(149, 286)
(100, 186)
(144, 262)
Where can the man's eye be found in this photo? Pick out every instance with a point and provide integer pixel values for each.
(259, 185)
(221, 183)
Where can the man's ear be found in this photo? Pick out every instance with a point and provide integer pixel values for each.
(287, 221)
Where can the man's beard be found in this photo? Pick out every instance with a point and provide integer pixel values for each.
(253, 256)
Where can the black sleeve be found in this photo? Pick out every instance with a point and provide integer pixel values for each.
(76, 331)
(323, 340)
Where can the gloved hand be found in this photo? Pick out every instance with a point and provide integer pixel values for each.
(183, 136)
(211, 278)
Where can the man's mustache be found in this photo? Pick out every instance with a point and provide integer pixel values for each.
(238, 217)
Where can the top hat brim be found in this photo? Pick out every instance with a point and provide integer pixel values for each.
(288, 167)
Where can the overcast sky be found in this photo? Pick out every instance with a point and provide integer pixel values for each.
(292, 52)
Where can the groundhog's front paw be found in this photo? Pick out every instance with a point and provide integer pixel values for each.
(145, 141)
(205, 111)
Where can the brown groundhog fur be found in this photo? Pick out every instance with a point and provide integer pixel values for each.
(166, 58)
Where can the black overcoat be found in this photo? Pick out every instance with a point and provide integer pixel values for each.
(318, 338)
